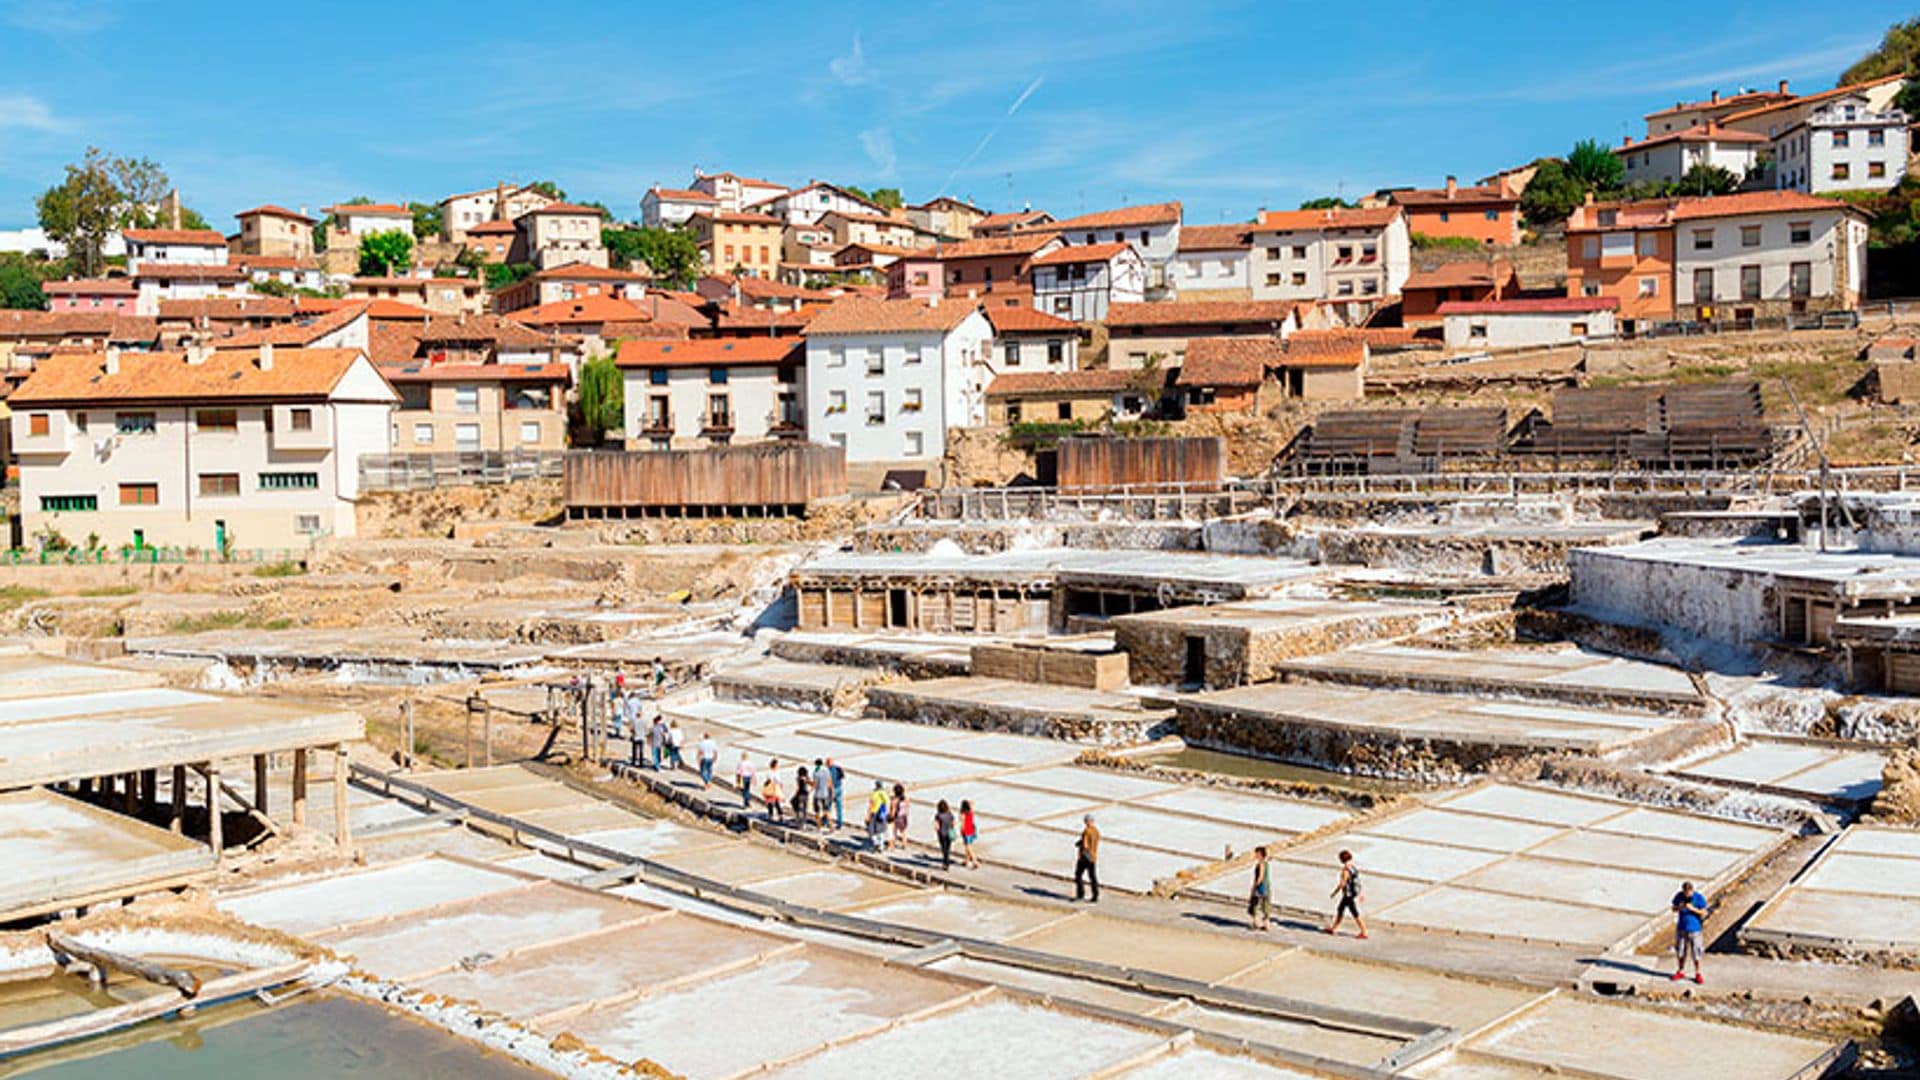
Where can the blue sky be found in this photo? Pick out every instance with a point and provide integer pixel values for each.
(1227, 107)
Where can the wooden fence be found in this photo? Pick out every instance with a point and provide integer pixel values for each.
(775, 478)
(1184, 463)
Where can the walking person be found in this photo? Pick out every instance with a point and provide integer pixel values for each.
(1086, 861)
(969, 832)
(770, 791)
(877, 817)
(802, 795)
(659, 677)
(944, 830)
(822, 794)
(1690, 911)
(675, 738)
(839, 777)
(743, 776)
(1260, 899)
(708, 754)
(1348, 890)
(897, 810)
(657, 741)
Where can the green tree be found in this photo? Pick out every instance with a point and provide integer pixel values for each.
(426, 220)
(332, 220)
(1899, 51)
(602, 397)
(1326, 202)
(383, 254)
(1595, 167)
(550, 189)
(273, 287)
(1705, 179)
(99, 195)
(671, 254)
(20, 284)
(501, 275)
(1551, 195)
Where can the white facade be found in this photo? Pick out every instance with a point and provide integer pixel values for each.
(1332, 262)
(275, 474)
(1025, 351)
(1225, 271)
(1516, 329)
(1808, 254)
(674, 408)
(355, 221)
(1845, 145)
(892, 396)
(210, 252)
(735, 193)
(1082, 291)
(1666, 160)
(1156, 243)
(152, 290)
(664, 209)
(807, 205)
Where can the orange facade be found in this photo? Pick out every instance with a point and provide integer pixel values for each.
(1492, 223)
(1632, 265)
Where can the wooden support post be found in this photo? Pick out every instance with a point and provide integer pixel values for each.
(342, 821)
(149, 790)
(103, 961)
(260, 782)
(129, 798)
(406, 725)
(214, 839)
(300, 787)
(469, 735)
(486, 731)
(179, 799)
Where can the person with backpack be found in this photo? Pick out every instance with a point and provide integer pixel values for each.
(877, 817)
(1348, 890)
(1260, 899)
(770, 791)
(802, 795)
(944, 830)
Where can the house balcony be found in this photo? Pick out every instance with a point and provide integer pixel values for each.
(717, 424)
(657, 424)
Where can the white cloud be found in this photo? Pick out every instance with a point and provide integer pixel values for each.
(878, 143)
(851, 69)
(27, 112)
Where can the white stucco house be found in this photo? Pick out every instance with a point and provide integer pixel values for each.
(188, 247)
(668, 207)
(1152, 230)
(1766, 253)
(885, 379)
(1078, 282)
(1843, 145)
(712, 391)
(1664, 159)
(1510, 324)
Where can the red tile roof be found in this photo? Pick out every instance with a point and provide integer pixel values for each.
(188, 272)
(1200, 312)
(1027, 320)
(1699, 133)
(194, 237)
(463, 284)
(303, 332)
(993, 246)
(1473, 195)
(1359, 217)
(379, 209)
(229, 308)
(737, 317)
(101, 325)
(167, 377)
(1746, 100)
(1124, 217)
(856, 315)
(1752, 202)
(270, 210)
(1531, 305)
(683, 195)
(1811, 99)
(563, 208)
(1325, 348)
(1009, 220)
(710, 352)
(1215, 237)
(275, 262)
(1094, 381)
(117, 286)
(1455, 275)
(1229, 361)
(1085, 253)
(583, 310)
(587, 272)
(490, 228)
(424, 372)
(385, 309)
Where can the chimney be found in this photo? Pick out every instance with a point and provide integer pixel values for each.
(113, 360)
(198, 353)
(1453, 187)
(1589, 199)
(266, 356)
(1783, 86)
(170, 206)
(1714, 97)
(1626, 140)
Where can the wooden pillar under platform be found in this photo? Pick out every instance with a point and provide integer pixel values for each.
(300, 787)
(129, 798)
(149, 790)
(342, 821)
(214, 839)
(179, 815)
(260, 782)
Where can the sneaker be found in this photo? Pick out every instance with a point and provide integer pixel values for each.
(1361, 936)
(1698, 981)
(1677, 976)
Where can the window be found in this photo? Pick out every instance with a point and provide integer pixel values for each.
(57, 504)
(1649, 286)
(1800, 280)
(1299, 251)
(1590, 247)
(1703, 286)
(1368, 252)
(657, 376)
(1056, 351)
(1590, 288)
(1091, 238)
(1445, 216)
(300, 419)
(39, 423)
(1703, 239)
(1010, 353)
(916, 444)
(1608, 218)
(139, 494)
(466, 438)
(1493, 215)
(1578, 329)
(1345, 288)
(719, 411)
(1273, 254)
(717, 376)
(1841, 170)
(1876, 137)
(217, 421)
(1749, 236)
(836, 402)
(1343, 253)
(423, 434)
(1800, 232)
(1616, 245)
(876, 407)
(133, 423)
(1062, 305)
(1013, 412)
(1750, 282)
(1273, 279)
(1477, 331)
(911, 402)
(529, 431)
(1649, 245)
(306, 524)
(1839, 139)
(1369, 287)
(465, 399)
(302, 481)
(1299, 277)
(225, 483)
(1876, 169)
(876, 362)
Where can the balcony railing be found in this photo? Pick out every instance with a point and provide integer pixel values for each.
(717, 424)
(658, 424)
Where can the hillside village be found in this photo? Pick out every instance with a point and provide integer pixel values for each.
(1471, 629)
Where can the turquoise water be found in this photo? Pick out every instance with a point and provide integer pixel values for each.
(322, 1036)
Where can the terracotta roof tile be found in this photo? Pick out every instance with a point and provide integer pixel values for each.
(1085, 253)
(587, 272)
(229, 307)
(597, 308)
(1123, 217)
(994, 246)
(1229, 361)
(157, 271)
(1463, 195)
(862, 316)
(1359, 217)
(274, 262)
(738, 317)
(117, 286)
(194, 237)
(493, 228)
(563, 208)
(1093, 381)
(1746, 100)
(102, 325)
(1215, 237)
(1751, 202)
(1025, 320)
(1811, 99)
(270, 210)
(1200, 312)
(682, 195)
(161, 377)
(710, 352)
(1531, 305)
(381, 209)
(1699, 133)
(1455, 275)
(1326, 348)
(303, 332)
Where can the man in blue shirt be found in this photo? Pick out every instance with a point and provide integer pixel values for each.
(1690, 911)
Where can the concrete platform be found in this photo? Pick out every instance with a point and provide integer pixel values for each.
(1502, 861)
(1566, 674)
(1860, 898)
(1403, 732)
(919, 656)
(60, 852)
(1804, 770)
(788, 684)
(1251, 640)
(1054, 712)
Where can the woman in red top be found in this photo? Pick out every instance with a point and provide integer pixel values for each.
(969, 832)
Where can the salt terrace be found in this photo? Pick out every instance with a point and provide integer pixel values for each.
(1797, 768)
(1860, 897)
(1564, 673)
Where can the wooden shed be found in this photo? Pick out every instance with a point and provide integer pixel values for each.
(1169, 464)
(772, 479)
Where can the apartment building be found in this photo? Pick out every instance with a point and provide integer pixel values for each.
(850, 227)
(1157, 333)
(1028, 340)
(1845, 144)
(445, 296)
(993, 264)
(1623, 250)
(807, 205)
(738, 243)
(663, 208)
(503, 202)
(1773, 119)
(353, 221)
(946, 217)
(1664, 159)
(1152, 230)
(570, 282)
(1431, 286)
(1079, 282)
(560, 234)
(294, 272)
(475, 384)
(157, 282)
(116, 294)
(1687, 114)
(274, 230)
(1484, 213)
(885, 379)
(1212, 262)
(1352, 259)
(712, 392)
(733, 192)
(175, 247)
(204, 449)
